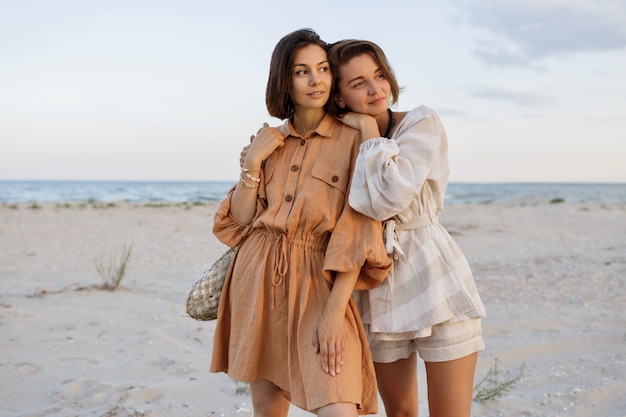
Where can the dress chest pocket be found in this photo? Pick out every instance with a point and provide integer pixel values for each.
(331, 174)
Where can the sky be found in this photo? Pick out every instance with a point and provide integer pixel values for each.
(528, 90)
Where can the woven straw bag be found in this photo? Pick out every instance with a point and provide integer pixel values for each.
(204, 297)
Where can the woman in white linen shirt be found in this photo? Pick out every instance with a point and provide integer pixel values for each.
(429, 305)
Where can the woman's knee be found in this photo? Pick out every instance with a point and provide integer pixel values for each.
(268, 400)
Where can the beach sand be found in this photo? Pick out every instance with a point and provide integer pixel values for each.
(552, 276)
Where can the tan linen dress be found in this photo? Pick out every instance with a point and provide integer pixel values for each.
(303, 231)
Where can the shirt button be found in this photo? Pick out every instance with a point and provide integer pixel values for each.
(396, 257)
(335, 178)
(288, 198)
(303, 142)
(295, 168)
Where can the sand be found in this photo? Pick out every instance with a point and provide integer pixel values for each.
(552, 276)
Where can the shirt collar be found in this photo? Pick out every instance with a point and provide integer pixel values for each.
(325, 128)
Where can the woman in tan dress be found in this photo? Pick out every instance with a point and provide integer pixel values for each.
(286, 322)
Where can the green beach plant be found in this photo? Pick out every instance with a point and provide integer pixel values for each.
(113, 272)
(496, 383)
(242, 388)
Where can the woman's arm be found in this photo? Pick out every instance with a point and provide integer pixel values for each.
(328, 339)
(389, 173)
(243, 206)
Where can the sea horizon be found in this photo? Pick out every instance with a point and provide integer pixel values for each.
(31, 191)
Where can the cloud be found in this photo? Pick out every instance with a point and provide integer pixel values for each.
(522, 99)
(521, 32)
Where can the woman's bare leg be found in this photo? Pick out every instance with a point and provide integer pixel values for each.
(450, 386)
(338, 410)
(397, 384)
(268, 400)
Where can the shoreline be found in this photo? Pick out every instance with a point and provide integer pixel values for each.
(104, 192)
(552, 276)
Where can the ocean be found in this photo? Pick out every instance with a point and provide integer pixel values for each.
(202, 191)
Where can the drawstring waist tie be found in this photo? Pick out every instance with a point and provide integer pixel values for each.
(281, 247)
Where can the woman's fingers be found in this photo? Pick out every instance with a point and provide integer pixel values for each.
(332, 357)
(244, 152)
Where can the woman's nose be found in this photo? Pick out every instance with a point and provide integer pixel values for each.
(374, 88)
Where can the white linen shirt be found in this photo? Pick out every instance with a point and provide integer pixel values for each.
(402, 181)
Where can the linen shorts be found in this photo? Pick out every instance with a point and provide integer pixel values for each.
(448, 341)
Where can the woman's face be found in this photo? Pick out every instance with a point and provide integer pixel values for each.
(311, 78)
(363, 87)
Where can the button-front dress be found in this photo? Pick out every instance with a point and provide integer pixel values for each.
(302, 233)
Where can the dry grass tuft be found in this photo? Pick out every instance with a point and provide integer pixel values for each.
(113, 273)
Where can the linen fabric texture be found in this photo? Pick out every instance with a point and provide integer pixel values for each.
(302, 233)
(403, 180)
(448, 341)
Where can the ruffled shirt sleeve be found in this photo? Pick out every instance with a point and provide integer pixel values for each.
(390, 173)
(355, 243)
(226, 228)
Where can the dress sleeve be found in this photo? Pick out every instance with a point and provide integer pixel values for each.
(226, 228)
(389, 173)
(357, 242)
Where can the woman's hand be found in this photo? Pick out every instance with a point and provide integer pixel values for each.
(262, 145)
(363, 122)
(244, 199)
(328, 341)
(244, 153)
(330, 334)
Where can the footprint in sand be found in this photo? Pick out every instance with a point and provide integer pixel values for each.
(87, 390)
(95, 393)
(79, 359)
(27, 368)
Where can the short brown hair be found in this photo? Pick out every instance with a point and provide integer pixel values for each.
(339, 53)
(277, 97)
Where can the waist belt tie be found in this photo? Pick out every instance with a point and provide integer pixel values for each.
(280, 259)
(392, 245)
(391, 238)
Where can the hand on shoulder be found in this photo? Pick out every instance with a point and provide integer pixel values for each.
(365, 123)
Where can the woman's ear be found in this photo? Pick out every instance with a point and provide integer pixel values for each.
(340, 102)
